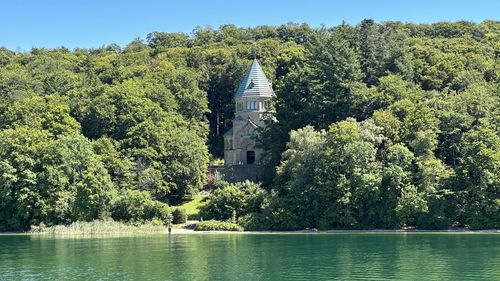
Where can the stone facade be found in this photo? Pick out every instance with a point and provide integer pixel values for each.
(252, 104)
(236, 173)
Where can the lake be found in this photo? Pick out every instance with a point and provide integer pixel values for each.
(339, 256)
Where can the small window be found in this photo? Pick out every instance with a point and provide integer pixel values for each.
(239, 106)
(250, 157)
(252, 105)
(251, 85)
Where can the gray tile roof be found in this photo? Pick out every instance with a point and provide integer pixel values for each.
(239, 118)
(255, 83)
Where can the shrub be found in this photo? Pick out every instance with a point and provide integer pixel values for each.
(194, 217)
(254, 221)
(233, 200)
(222, 203)
(433, 221)
(213, 225)
(135, 205)
(179, 216)
(157, 209)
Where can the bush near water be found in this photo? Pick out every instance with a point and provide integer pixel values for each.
(213, 225)
(179, 216)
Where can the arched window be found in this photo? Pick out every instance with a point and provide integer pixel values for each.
(252, 105)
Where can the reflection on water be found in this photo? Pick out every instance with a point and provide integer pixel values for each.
(372, 256)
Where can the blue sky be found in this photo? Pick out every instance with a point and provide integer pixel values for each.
(92, 23)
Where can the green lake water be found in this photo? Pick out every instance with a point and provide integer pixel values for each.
(344, 256)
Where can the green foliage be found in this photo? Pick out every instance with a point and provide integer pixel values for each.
(420, 94)
(351, 177)
(179, 215)
(233, 201)
(90, 133)
(191, 205)
(479, 177)
(50, 180)
(213, 225)
(135, 205)
(255, 222)
(82, 128)
(105, 227)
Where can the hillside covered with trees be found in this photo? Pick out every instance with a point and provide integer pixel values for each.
(379, 125)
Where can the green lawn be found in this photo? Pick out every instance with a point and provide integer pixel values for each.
(191, 207)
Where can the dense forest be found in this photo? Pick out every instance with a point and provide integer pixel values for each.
(377, 125)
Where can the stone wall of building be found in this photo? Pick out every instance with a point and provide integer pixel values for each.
(236, 173)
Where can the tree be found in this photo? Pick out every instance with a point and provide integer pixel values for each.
(478, 177)
(157, 40)
(74, 176)
(119, 131)
(233, 201)
(50, 180)
(20, 200)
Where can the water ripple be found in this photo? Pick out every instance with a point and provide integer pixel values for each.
(253, 257)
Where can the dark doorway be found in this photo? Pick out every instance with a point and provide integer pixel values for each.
(250, 157)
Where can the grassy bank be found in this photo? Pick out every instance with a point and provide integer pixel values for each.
(192, 206)
(99, 227)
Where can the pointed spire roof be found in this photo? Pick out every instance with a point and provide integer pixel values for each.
(255, 83)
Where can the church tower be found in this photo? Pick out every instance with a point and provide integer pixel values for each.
(252, 102)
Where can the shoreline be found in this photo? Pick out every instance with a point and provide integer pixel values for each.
(177, 231)
(366, 231)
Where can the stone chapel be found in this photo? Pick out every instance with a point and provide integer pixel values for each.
(252, 102)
